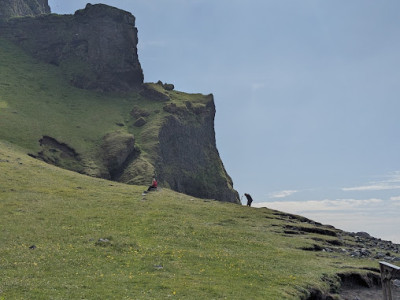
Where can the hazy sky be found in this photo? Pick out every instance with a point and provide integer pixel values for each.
(307, 95)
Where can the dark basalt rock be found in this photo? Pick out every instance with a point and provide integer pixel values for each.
(188, 157)
(140, 122)
(96, 47)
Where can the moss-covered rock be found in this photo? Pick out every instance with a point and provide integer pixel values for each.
(154, 92)
(59, 154)
(117, 148)
(140, 122)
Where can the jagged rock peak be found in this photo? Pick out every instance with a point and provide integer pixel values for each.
(96, 47)
(21, 8)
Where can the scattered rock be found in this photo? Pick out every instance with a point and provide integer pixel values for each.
(103, 242)
(140, 122)
(363, 234)
(138, 112)
(169, 86)
(166, 86)
(152, 94)
(379, 255)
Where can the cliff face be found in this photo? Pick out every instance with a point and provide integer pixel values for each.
(20, 8)
(188, 157)
(96, 47)
(168, 134)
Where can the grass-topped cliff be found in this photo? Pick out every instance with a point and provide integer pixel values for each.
(125, 136)
(80, 138)
(66, 235)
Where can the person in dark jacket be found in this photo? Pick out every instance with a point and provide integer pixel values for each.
(249, 199)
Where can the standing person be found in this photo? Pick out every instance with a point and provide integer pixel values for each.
(249, 199)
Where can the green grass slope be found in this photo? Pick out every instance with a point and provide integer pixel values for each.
(97, 239)
(37, 101)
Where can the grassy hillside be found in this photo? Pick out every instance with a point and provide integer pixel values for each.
(96, 239)
(111, 135)
(37, 100)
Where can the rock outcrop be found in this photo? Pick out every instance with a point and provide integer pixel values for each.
(118, 148)
(188, 157)
(21, 8)
(96, 47)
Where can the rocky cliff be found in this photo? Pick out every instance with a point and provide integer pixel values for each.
(19, 8)
(168, 134)
(181, 152)
(96, 47)
(189, 159)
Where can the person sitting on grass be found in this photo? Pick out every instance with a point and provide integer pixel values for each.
(153, 186)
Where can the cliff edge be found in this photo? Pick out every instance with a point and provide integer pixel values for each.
(160, 132)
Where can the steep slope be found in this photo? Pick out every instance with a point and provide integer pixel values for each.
(65, 235)
(129, 131)
(188, 156)
(115, 136)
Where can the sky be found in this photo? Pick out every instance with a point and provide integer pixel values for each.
(307, 97)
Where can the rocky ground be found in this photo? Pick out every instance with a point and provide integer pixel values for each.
(368, 246)
(356, 245)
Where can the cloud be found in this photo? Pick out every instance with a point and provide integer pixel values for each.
(375, 216)
(372, 187)
(282, 194)
(395, 198)
(392, 183)
(322, 205)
